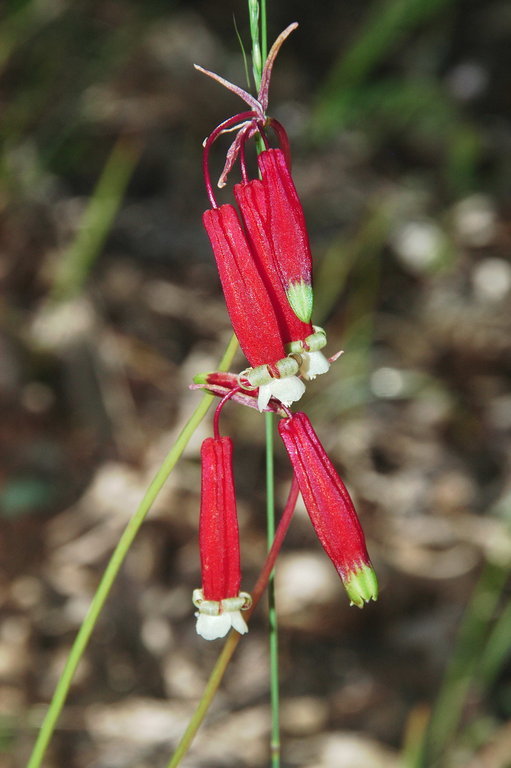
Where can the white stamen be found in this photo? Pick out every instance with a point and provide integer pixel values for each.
(288, 390)
(313, 364)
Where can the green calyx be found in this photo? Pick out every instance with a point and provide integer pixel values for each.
(312, 343)
(362, 586)
(301, 299)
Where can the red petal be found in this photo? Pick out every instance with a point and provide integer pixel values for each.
(250, 309)
(218, 530)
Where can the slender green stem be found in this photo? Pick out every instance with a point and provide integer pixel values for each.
(272, 610)
(234, 638)
(112, 569)
(264, 32)
(497, 650)
(257, 58)
(257, 12)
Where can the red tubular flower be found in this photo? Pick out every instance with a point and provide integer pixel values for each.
(289, 234)
(253, 203)
(250, 308)
(219, 602)
(330, 508)
(299, 337)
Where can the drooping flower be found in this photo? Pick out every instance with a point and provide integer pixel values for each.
(272, 235)
(330, 508)
(287, 228)
(220, 601)
(253, 315)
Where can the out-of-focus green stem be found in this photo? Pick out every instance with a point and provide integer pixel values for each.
(97, 220)
(272, 610)
(448, 708)
(112, 569)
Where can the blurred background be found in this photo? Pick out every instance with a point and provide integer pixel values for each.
(398, 114)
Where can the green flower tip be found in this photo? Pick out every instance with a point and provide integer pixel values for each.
(201, 378)
(362, 586)
(301, 299)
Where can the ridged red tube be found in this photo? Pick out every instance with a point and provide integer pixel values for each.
(330, 508)
(253, 203)
(250, 308)
(290, 239)
(218, 528)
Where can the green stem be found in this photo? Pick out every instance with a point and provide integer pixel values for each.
(112, 569)
(234, 638)
(257, 12)
(272, 611)
(257, 58)
(264, 33)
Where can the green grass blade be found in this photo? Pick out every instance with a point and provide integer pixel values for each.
(448, 708)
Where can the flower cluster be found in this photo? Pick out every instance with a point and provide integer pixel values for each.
(263, 256)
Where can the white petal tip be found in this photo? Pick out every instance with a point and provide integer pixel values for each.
(214, 627)
(313, 364)
(288, 390)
